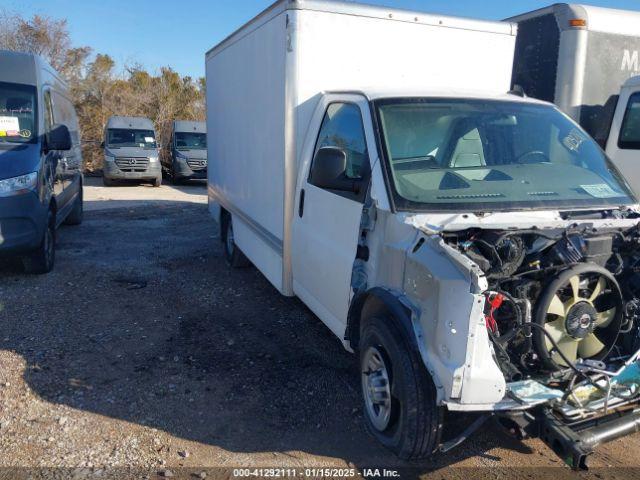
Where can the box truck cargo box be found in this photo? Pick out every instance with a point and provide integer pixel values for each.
(579, 57)
(468, 243)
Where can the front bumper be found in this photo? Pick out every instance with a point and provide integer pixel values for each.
(183, 170)
(22, 223)
(150, 172)
(574, 442)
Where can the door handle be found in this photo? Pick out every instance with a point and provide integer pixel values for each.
(301, 206)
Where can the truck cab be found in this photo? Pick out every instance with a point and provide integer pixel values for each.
(185, 156)
(623, 145)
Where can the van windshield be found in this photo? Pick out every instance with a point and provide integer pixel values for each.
(191, 141)
(448, 154)
(17, 113)
(124, 137)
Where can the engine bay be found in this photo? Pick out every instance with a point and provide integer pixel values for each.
(562, 312)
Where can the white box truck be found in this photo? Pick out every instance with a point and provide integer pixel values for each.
(583, 59)
(476, 248)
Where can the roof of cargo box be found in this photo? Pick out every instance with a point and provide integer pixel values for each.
(587, 17)
(364, 10)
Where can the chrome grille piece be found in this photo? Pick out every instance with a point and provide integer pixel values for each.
(132, 164)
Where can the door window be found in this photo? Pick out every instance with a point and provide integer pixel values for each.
(630, 131)
(343, 128)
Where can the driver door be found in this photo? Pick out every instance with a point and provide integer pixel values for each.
(327, 222)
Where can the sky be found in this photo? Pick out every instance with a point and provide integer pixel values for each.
(157, 33)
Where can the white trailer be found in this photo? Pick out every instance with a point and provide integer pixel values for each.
(580, 57)
(371, 162)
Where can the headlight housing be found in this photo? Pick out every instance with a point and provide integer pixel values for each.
(153, 159)
(18, 185)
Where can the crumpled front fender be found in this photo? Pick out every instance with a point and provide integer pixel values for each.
(448, 291)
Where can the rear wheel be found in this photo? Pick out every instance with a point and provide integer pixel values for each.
(42, 260)
(399, 395)
(234, 256)
(77, 213)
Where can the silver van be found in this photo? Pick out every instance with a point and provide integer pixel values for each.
(130, 151)
(185, 156)
(40, 160)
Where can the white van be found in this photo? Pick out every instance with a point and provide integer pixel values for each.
(476, 248)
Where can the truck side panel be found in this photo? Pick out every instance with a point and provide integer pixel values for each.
(246, 125)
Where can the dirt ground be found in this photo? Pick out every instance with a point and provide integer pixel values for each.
(143, 354)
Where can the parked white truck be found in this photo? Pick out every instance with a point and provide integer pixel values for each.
(584, 59)
(476, 248)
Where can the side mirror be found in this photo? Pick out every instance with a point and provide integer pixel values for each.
(58, 138)
(101, 144)
(329, 171)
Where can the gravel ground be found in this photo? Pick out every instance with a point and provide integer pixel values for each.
(143, 354)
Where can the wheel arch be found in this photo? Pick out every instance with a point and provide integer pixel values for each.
(380, 301)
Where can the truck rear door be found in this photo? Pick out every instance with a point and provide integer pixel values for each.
(327, 222)
(623, 146)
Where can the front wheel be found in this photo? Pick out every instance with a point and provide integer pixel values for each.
(158, 181)
(42, 260)
(234, 256)
(399, 395)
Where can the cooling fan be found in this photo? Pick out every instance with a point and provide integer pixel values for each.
(581, 310)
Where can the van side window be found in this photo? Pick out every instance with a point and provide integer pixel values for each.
(48, 111)
(343, 128)
(630, 131)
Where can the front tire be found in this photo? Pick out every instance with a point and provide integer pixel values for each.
(400, 407)
(42, 260)
(107, 182)
(234, 256)
(158, 181)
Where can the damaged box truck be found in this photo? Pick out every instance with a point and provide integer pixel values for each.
(475, 248)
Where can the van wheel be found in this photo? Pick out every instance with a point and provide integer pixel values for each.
(234, 256)
(42, 260)
(107, 182)
(77, 213)
(399, 395)
(158, 181)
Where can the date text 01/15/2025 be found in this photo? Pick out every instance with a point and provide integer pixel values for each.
(314, 473)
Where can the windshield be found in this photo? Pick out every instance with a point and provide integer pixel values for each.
(17, 113)
(460, 155)
(124, 137)
(191, 141)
